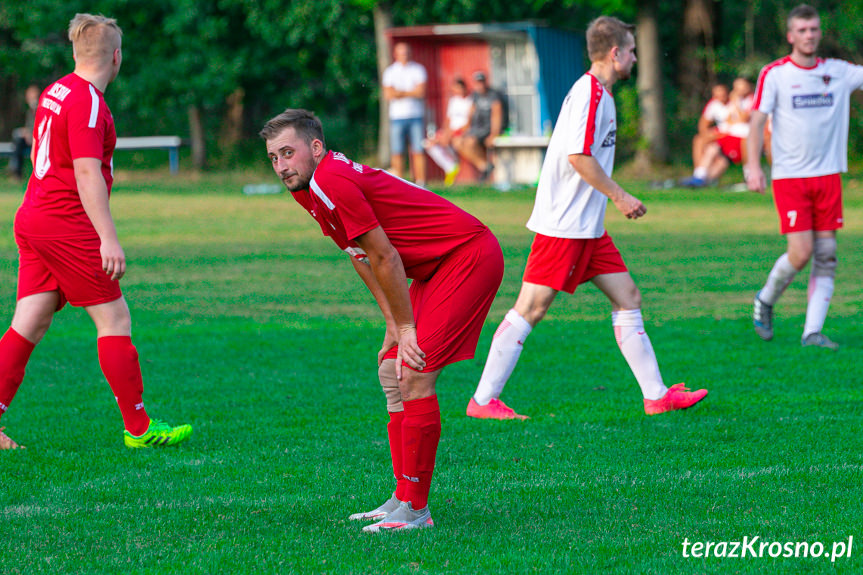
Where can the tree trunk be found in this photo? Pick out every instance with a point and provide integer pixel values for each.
(383, 21)
(10, 106)
(196, 134)
(697, 70)
(649, 82)
(232, 124)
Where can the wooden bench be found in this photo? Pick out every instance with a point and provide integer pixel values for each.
(518, 159)
(170, 143)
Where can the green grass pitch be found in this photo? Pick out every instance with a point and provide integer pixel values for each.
(254, 328)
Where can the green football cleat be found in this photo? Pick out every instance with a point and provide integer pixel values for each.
(159, 434)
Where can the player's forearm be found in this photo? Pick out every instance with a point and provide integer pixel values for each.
(364, 270)
(389, 272)
(592, 173)
(755, 141)
(93, 192)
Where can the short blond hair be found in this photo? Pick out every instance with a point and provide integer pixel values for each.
(605, 33)
(802, 12)
(94, 37)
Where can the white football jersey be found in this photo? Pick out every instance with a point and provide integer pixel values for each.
(566, 206)
(810, 108)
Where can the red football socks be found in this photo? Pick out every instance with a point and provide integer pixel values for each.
(420, 436)
(15, 352)
(119, 361)
(394, 431)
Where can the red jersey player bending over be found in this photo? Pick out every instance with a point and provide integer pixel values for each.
(394, 230)
(571, 245)
(67, 243)
(809, 99)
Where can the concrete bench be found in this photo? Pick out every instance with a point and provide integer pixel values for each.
(518, 159)
(170, 143)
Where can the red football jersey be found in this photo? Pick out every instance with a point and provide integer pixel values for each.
(72, 121)
(349, 199)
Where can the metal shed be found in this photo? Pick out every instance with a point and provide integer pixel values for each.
(532, 63)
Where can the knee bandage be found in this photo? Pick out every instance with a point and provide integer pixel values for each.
(387, 375)
(824, 262)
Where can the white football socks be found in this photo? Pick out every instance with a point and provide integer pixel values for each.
(780, 276)
(820, 292)
(638, 352)
(505, 350)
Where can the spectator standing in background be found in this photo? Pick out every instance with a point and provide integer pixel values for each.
(404, 83)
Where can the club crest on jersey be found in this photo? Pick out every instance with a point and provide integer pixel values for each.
(812, 101)
(610, 139)
(826, 78)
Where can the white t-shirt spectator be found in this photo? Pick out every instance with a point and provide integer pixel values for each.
(458, 111)
(716, 112)
(404, 78)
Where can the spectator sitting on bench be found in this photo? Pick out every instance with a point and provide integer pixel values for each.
(22, 138)
(486, 123)
(725, 144)
(440, 147)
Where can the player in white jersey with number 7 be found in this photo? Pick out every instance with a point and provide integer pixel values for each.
(571, 245)
(809, 99)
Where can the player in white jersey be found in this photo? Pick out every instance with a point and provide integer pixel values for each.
(809, 99)
(571, 245)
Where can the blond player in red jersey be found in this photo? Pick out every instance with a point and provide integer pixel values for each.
(394, 231)
(571, 245)
(67, 243)
(809, 100)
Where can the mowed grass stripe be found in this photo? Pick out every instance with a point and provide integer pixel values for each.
(254, 328)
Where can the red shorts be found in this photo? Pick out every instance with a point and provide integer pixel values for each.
(809, 203)
(71, 266)
(732, 147)
(564, 263)
(451, 306)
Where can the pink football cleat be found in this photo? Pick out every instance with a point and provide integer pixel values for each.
(494, 409)
(403, 518)
(677, 397)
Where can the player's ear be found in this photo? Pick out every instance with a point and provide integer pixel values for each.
(317, 148)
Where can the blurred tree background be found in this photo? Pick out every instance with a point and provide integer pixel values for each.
(213, 71)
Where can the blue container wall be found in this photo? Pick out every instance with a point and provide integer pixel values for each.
(561, 62)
